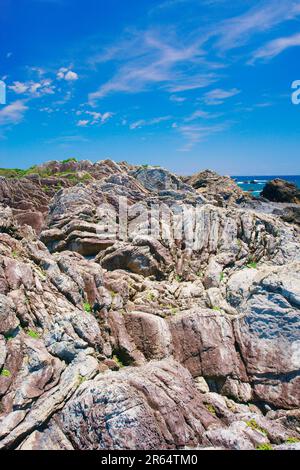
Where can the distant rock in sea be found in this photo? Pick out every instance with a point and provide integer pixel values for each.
(279, 190)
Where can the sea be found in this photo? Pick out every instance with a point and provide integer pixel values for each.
(255, 184)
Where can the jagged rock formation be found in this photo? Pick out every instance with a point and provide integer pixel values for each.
(149, 340)
(221, 190)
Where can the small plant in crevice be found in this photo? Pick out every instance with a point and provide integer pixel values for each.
(252, 265)
(87, 307)
(33, 334)
(222, 275)
(264, 447)
(292, 440)
(173, 310)
(118, 361)
(178, 278)
(211, 409)
(150, 297)
(81, 379)
(255, 426)
(217, 309)
(5, 373)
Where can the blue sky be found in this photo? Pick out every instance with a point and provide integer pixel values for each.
(186, 84)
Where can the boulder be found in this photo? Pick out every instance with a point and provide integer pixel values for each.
(279, 190)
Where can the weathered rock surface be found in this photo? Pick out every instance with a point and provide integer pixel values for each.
(221, 190)
(281, 191)
(146, 341)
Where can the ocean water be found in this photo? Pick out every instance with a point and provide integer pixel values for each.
(255, 184)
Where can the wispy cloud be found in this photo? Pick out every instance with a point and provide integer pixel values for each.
(218, 96)
(150, 122)
(199, 114)
(150, 58)
(237, 31)
(13, 113)
(276, 47)
(193, 134)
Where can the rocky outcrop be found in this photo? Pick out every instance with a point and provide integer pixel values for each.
(150, 341)
(221, 190)
(281, 191)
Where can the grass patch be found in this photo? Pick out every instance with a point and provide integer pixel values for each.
(222, 275)
(255, 426)
(292, 440)
(178, 278)
(264, 447)
(5, 373)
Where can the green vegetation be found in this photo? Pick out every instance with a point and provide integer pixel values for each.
(118, 361)
(68, 160)
(264, 447)
(87, 307)
(222, 277)
(81, 379)
(5, 373)
(17, 172)
(211, 409)
(178, 278)
(33, 334)
(217, 309)
(292, 440)
(255, 426)
(252, 265)
(150, 297)
(14, 254)
(41, 273)
(173, 310)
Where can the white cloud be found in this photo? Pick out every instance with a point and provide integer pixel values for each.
(66, 74)
(201, 115)
(275, 47)
(71, 76)
(150, 122)
(218, 96)
(36, 89)
(83, 123)
(12, 113)
(19, 88)
(97, 118)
